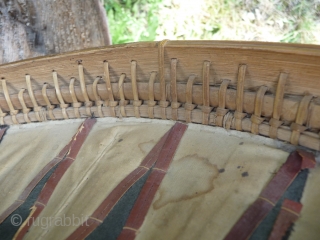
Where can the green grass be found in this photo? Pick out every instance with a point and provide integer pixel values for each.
(132, 20)
(254, 20)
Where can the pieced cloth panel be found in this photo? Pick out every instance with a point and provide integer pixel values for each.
(308, 225)
(211, 181)
(25, 151)
(111, 151)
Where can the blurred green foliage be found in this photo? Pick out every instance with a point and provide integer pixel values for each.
(132, 20)
(296, 21)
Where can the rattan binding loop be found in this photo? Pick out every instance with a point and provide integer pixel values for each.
(275, 122)
(13, 112)
(2, 115)
(151, 101)
(123, 102)
(221, 110)
(297, 127)
(256, 118)
(75, 104)
(110, 102)
(238, 114)
(50, 107)
(98, 101)
(206, 109)
(136, 102)
(63, 105)
(188, 105)
(174, 96)
(163, 99)
(25, 110)
(83, 86)
(36, 108)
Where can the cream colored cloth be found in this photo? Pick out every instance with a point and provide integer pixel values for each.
(25, 150)
(213, 179)
(308, 225)
(111, 151)
(215, 175)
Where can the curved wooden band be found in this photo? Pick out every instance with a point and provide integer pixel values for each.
(256, 118)
(174, 97)
(123, 101)
(188, 105)
(239, 115)
(13, 112)
(277, 106)
(163, 100)
(151, 101)
(25, 110)
(63, 105)
(206, 109)
(136, 102)
(50, 107)
(221, 110)
(112, 103)
(75, 103)
(302, 116)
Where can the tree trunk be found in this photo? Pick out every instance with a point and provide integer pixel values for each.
(30, 28)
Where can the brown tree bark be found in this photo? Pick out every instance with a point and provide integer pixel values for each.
(30, 28)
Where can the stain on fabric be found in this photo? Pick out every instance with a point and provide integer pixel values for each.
(241, 143)
(245, 174)
(221, 170)
(120, 140)
(189, 177)
(146, 147)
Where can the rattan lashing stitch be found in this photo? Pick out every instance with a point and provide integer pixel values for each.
(256, 118)
(136, 102)
(173, 87)
(63, 105)
(25, 110)
(98, 102)
(189, 106)
(75, 103)
(221, 110)
(123, 102)
(151, 101)
(238, 114)
(13, 112)
(275, 122)
(50, 107)
(163, 101)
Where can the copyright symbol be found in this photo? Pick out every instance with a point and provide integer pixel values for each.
(16, 220)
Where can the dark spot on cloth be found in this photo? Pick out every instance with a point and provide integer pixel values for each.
(192, 182)
(241, 143)
(239, 167)
(245, 174)
(221, 170)
(120, 140)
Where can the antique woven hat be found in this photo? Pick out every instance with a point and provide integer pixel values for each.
(162, 140)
